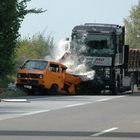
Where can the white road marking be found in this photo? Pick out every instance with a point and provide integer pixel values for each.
(106, 99)
(104, 131)
(14, 100)
(11, 111)
(73, 105)
(34, 112)
(23, 114)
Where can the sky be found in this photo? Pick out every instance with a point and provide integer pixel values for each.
(62, 15)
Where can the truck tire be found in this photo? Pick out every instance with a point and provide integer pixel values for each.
(132, 82)
(116, 86)
(114, 91)
(132, 87)
(53, 90)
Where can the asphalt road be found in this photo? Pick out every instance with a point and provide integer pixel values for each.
(71, 118)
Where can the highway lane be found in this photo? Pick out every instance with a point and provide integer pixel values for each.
(72, 118)
(12, 108)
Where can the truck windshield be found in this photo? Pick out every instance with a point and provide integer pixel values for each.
(99, 44)
(34, 64)
(95, 44)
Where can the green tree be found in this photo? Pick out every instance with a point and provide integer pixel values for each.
(36, 47)
(132, 25)
(12, 13)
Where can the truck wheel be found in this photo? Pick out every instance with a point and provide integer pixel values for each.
(116, 87)
(53, 90)
(132, 87)
(114, 91)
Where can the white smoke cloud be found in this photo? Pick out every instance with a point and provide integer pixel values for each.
(61, 53)
(62, 47)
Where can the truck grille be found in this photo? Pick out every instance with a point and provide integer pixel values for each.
(29, 82)
(29, 75)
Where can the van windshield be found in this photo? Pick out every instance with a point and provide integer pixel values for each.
(34, 64)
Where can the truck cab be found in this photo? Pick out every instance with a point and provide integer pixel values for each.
(101, 47)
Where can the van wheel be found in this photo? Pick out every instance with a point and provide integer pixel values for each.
(53, 90)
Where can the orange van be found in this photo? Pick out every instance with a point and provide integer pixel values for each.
(42, 75)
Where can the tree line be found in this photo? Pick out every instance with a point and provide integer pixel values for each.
(12, 13)
(37, 47)
(132, 26)
(14, 50)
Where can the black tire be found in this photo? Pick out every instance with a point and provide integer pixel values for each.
(53, 90)
(132, 87)
(115, 88)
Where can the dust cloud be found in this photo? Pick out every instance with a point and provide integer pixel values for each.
(62, 54)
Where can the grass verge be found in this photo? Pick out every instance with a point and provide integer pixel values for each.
(7, 90)
(12, 93)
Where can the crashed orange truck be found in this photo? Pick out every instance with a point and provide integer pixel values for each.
(48, 76)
